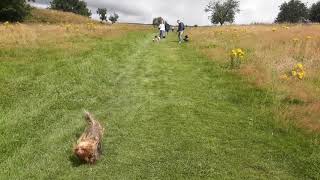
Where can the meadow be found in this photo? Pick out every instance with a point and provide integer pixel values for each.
(170, 112)
(273, 53)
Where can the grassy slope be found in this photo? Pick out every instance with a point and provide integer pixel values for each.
(53, 16)
(169, 113)
(271, 53)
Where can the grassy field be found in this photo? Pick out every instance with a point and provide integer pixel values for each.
(170, 112)
(272, 52)
(49, 16)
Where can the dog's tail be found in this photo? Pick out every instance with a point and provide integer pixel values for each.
(88, 117)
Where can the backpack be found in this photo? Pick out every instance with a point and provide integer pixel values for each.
(182, 26)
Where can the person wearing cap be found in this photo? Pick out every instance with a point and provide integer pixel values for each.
(180, 30)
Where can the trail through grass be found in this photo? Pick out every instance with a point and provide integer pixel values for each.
(169, 113)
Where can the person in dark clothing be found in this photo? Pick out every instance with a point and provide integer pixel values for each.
(167, 27)
(180, 30)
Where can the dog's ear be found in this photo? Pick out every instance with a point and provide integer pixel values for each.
(75, 148)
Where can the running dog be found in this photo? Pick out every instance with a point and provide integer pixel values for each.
(89, 145)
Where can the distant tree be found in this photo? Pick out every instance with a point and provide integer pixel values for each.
(196, 25)
(114, 17)
(315, 12)
(293, 11)
(14, 10)
(157, 21)
(75, 6)
(102, 12)
(222, 11)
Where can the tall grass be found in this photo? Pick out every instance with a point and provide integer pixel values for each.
(169, 112)
(35, 35)
(54, 17)
(272, 52)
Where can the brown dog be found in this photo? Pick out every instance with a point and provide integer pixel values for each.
(89, 147)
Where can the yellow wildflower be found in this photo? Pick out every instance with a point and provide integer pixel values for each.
(284, 77)
(91, 26)
(299, 66)
(295, 40)
(234, 54)
(294, 73)
(237, 53)
(298, 71)
(301, 75)
(68, 27)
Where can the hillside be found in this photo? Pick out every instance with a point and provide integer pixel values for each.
(177, 116)
(170, 111)
(273, 53)
(54, 17)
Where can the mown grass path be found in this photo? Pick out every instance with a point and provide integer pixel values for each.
(169, 113)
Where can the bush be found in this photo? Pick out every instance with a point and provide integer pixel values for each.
(315, 12)
(13, 10)
(75, 6)
(223, 11)
(293, 11)
(102, 14)
(157, 21)
(114, 18)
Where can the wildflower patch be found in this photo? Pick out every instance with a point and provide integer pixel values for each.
(236, 56)
(298, 71)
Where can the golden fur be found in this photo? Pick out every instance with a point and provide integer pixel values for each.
(89, 146)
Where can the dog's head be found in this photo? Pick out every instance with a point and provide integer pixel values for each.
(84, 150)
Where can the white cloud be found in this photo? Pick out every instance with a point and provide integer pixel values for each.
(190, 11)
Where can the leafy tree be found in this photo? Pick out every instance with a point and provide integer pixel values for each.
(293, 11)
(222, 11)
(315, 12)
(114, 18)
(14, 10)
(157, 21)
(75, 6)
(102, 13)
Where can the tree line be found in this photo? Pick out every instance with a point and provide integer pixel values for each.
(17, 10)
(103, 13)
(221, 11)
(14, 10)
(294, 11)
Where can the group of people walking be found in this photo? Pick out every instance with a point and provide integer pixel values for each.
(165, 28)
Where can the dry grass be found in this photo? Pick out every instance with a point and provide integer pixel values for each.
(57, 29)
(271, 53)
(54, 17)
(36, 35)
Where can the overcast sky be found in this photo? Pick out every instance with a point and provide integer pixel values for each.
(190, 11)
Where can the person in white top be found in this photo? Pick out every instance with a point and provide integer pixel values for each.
(162, 28)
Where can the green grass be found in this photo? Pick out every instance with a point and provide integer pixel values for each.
(169, 113)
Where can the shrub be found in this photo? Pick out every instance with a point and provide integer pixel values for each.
(13, 10)
(75, 6)
(315, 12)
